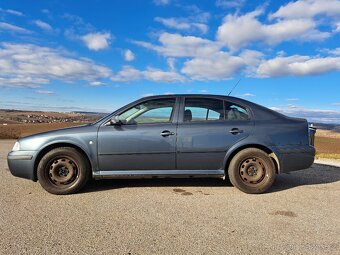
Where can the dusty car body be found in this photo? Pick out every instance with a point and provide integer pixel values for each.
(170, 136)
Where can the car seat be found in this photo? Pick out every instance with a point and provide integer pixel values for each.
(187, 115)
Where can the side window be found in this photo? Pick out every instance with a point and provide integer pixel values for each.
(203, 109)
(235, 112)
(153, 111)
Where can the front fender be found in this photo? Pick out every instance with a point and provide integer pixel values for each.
(88, 145)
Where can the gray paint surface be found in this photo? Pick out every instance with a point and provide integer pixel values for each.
(206, 146)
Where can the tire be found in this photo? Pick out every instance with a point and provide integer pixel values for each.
(63, 171)
(252, 171)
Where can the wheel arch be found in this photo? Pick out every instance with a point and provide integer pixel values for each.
(272, 154)
(52, 146)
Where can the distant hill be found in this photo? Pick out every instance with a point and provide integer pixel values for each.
(329, 127)
(18, 116)
(90, 113)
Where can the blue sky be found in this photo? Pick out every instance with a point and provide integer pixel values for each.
(99, 55)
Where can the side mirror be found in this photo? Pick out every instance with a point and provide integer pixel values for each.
(115, 121)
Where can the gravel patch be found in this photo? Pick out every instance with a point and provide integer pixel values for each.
(300, 215)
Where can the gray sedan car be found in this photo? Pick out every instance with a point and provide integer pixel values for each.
(170, 136)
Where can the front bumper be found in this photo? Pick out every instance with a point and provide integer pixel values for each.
(296, 157)
(21, 164)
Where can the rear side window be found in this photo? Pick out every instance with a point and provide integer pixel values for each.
(235, 112)
(203, 109)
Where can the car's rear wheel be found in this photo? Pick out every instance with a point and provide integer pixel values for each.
(252, 171)
(63, 171)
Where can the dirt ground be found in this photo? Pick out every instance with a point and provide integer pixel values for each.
(300, 215)
(327, 144)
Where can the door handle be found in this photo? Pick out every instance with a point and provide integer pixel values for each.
(167, 133)
(235, 131)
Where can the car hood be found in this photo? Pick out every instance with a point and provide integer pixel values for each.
(59, 131)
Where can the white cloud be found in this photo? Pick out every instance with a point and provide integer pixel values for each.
(13, 28)
(293, 99)
(203, 91)
(129, 55)
(207, 61)
(27, 65)
(337, 27)
(129, 73)
(334, 52)
(308, 9)
(147, 95)
(36, 105)
(158, 75)
(336, 104)
(298, 66)
(230, 3)
(97, 41)
(45, 92)
(13, 12)
(292, 106)
(43, 25)
(200, 26)
(182, 24)
(173, 23)
(162, 2)
(45, 11)
(171, 63)
(251, 60)
(219, 66)
(238, 31)
(312, 115)
(176, 45)
(247, 95)
(97, 83)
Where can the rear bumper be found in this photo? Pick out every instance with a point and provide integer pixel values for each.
(21, 164)
(297, 157)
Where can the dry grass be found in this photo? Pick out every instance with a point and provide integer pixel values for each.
(327, 145)
(14, 131)
(327, 133)
(327, 156)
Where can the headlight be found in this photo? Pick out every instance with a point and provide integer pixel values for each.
(16, 146)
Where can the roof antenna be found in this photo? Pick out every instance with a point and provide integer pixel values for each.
(234, 87)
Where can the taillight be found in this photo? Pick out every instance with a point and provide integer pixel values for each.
(311, 131)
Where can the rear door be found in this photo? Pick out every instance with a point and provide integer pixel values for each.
(207, 128)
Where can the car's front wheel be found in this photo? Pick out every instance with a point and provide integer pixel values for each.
(252, 171)
(63, 170)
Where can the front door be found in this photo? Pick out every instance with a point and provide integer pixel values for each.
(145, 139)
(209, 127)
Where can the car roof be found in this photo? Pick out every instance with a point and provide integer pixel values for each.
(223, 97)
(191, 95)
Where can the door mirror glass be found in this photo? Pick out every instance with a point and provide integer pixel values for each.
(115, 121)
